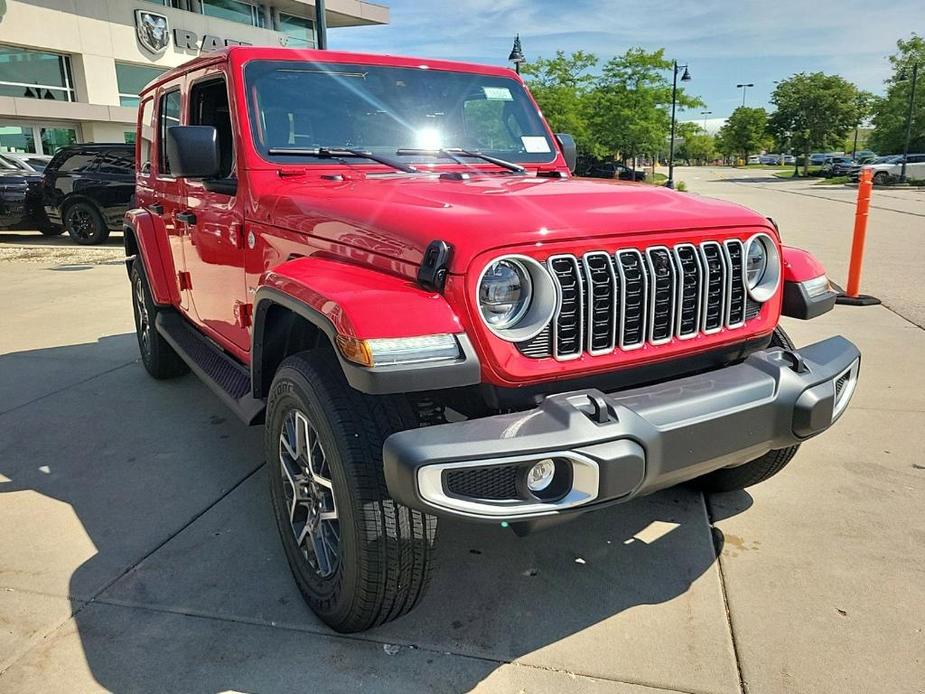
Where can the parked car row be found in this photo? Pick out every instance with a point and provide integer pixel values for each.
(83, 189)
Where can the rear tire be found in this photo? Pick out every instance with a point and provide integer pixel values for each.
(359, 558)
(84, 223)
(159, 358)
(758, 470)
(881, 178)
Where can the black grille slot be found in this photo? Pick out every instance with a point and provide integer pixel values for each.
(689, 290)
(715, 286)
(539, 347)
(633, 279)
(497, 482)
(601, 300)
(567, 341)
(661, 303)
(737, 284)
(840, 384)
(752, 308)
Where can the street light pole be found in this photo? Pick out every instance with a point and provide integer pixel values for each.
(909, 114)
(705, 114)
(321, 26)
(517, 54)
(744, 87)
(674, 99)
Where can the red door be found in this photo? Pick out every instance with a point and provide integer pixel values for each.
(212, 223)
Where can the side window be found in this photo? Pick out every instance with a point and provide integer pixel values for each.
(146, 135)
(168, 116)
(79, 162)
(117, 161)
(208, 104)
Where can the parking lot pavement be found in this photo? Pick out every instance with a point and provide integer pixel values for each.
(138, 553)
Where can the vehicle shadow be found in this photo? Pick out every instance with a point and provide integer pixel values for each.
(26, 237)
(171, 494)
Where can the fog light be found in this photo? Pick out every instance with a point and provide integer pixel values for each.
(540, 475)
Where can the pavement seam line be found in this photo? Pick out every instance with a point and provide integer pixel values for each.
(743, 686)
(244, 621)
(67, 387)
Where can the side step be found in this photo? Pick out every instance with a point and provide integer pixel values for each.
(229, 379)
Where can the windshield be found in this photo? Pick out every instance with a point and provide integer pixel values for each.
(302, 105)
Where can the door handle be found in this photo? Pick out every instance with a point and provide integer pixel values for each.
(186, 217)
(156, 208)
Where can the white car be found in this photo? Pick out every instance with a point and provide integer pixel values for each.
(890, 170)
(754, 159)
(34, 163)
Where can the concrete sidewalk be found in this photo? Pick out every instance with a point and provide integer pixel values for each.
(138, 553)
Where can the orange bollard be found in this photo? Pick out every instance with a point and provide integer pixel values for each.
(852, 295)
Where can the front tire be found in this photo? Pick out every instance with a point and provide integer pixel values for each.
(881, 178)
(758, 470)
(359, 558)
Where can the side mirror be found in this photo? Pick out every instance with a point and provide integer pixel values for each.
(192, 151)
(569, 150)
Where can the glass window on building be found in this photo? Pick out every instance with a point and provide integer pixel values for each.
(128, 137)
(54, 139)
(17, 138)
(232, 10)
(132, 79)
(168, 3)
(35, 75)
(300, 31)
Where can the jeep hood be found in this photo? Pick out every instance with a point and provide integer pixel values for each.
(399, 215)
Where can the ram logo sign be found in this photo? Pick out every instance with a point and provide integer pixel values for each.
(152, 30)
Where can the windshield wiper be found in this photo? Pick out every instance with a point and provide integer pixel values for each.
(340, 153)
(455, 152)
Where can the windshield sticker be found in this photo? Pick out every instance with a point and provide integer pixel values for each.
(498, 93)
(535, 145)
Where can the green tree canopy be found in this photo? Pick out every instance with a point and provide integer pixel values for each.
(561, 86)
(890, 113)
(745, 132)
(624, 109)
(694, 144)
(815, 111)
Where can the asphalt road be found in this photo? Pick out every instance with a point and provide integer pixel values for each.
(138, 553)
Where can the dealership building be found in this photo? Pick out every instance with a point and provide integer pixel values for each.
(71, 70)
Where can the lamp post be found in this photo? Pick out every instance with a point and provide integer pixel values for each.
(685, 77)
(517, 54)
(909, 114)
(705, 114)
(744, 88)
(321, 26)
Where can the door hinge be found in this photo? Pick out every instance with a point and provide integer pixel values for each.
(243, 314)
(184, 280)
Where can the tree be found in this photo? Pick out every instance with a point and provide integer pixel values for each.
(561, 86)
(815, 111)
(744, 133)
(697, 147)
(890, 112)
(630, 108)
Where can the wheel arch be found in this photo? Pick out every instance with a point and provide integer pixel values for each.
(140, 241)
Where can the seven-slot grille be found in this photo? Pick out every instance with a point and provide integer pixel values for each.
(625, 299)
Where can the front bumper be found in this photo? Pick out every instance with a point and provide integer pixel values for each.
(614, 447)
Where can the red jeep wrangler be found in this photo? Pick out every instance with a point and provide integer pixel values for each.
(387, 262)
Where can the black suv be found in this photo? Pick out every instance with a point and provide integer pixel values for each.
(88, 189)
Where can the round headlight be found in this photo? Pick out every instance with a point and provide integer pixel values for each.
(504, 293)
(516, 297)
(762, 267)
(756, 262)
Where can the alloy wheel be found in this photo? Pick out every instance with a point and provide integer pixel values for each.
(80, 222)
(144, 321)
(309, 491)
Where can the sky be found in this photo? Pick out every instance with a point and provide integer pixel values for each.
(725, 43)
